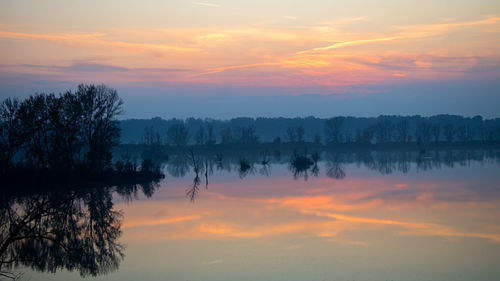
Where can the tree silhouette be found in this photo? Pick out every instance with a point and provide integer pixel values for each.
(178, 135)
(61, 230)
(65, 132)
(333, 129)
(10, 132)
(100, 105)
(402, 131)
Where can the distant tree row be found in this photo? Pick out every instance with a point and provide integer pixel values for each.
(383, 129)
(69, 131)
(178, 135)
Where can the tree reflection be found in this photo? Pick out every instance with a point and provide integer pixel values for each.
(245, 167)
(197, 164)
(300, 164)
(178, 166)
(63, 229)
(334, 167)
(194, 189)
(303, 164)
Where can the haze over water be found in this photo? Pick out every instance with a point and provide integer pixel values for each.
(426, 224)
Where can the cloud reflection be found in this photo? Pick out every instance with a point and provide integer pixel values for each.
(327, 210)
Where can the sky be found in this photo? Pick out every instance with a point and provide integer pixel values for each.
(222, 59)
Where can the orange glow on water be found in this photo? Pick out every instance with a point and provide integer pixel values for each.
(325, 209)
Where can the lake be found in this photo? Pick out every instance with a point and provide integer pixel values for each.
(343, 218)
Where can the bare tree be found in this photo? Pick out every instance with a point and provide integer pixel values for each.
(365, 136)
(333, 129)
(178, 134)
(226, 136)
(436, 132)
(291, 135)
(210, 135)
(424, 132)
(300, 133)
(10, 131)
(402, 131)
(449, 132)
(199, 136)
(384, 130)
(100, 106)
(34, 119)
(465, 133)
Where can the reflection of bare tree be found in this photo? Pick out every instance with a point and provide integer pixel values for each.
(207, 169)
(384, 163)
(194, 190)
(436, 159)
(334, 167)
(366, 158)
(404, 162)
(463, 158)
(448, 159)
(222, 163)
(305, 164)
(245, 167)
(130, 192)
(315, 168)
(300, 165)
(300, 173)
(265, 170)
(61, 230)
(178, 166)
(196, 163)
(424, 162)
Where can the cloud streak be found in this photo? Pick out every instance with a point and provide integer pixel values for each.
(307, 56)
(409, 32)
(206, 4)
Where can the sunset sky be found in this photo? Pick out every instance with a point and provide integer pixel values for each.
(259, 58)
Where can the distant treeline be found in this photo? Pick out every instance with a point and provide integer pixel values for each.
(336, 130)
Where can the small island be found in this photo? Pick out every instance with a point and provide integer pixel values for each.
(51, 141)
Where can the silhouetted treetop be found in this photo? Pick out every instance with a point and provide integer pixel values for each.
(69, 131)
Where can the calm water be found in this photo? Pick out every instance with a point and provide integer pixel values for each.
(345, 221)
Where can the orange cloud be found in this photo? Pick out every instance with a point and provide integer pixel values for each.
(143, 222)
(93, 39)
(304, 56)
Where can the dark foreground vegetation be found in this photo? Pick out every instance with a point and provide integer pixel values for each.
(51, 139)
(58, 181)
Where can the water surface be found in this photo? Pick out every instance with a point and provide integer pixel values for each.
(345, 221)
